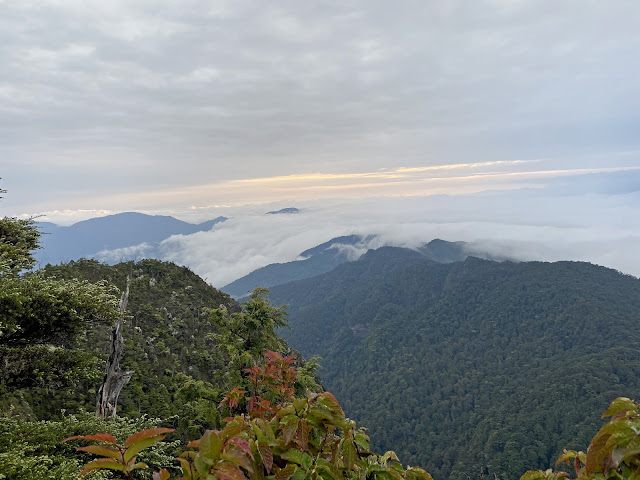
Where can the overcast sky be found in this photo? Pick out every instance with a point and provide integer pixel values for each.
(114, 105)
(199, 108)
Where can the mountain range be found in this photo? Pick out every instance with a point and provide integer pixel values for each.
(328, 255)
(89, 237)
(470, 366)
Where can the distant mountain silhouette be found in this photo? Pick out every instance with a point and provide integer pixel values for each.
(284, 210)
(87, 238)
(328, 255)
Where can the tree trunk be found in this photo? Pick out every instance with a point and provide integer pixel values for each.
(114, 378)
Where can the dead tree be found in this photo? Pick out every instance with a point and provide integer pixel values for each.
(114, 378)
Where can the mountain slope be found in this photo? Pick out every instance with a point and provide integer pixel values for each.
(86, 238)
(166, 339)
(328, 255)
(470, 364)
(316, 260)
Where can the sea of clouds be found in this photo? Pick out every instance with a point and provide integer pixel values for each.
(594, 220)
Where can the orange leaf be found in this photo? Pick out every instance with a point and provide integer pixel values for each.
(102, 463)
(144, 434)
(161, 475)
(103, 437)
(102, 450)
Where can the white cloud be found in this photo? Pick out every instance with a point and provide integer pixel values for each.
(536, 224)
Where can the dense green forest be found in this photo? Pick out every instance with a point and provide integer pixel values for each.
(470, 366)
(185, 342)
(467, 368)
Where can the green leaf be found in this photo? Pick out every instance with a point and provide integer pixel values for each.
(533, 475)
(144, 434)
(620, 405)
(103, 463)
(137, 466)
(332, 471)
(329, 401)
(103, 450)
(416, 473)
(389, 455)
(202, 464)
(187, 468)
(286, 473)
(210, 445)
(596, 453)
(296, 456)
(232, 429)
(361, 441)
(632, 450)
(137, 447)
(348, 454)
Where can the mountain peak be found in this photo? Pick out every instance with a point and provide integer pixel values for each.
(284, 210)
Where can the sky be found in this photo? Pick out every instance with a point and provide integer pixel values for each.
(198, 108)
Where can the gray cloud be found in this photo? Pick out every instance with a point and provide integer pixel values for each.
(133, 96)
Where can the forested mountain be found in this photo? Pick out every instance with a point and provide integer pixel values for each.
(470, 365)
(326, 256)
(87, 238)
(167, 340)
(316, 260)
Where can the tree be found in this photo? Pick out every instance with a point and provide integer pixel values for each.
(39, 317)
(114, 378)
(248, 333)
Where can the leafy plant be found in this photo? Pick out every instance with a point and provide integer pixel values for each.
(614, 452)
(116, 457)
(278, 435)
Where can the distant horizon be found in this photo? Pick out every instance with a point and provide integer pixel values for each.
(509, 123)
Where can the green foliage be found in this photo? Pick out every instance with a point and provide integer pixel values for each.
(246, 334)
(178, 368)
(18, 239)
(614, 452)
(121, 458)
(39, 316)
(287, 437)
(37, 310)
(33, 450)
(171, 345)
(473, 364)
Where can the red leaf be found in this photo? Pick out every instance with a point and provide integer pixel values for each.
(243, 445)
(228, 471)
(267, 456)
(161, 475)
(103, 437)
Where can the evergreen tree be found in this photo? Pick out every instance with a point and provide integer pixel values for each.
(40, 316)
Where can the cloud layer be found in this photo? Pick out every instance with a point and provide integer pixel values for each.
(104, 103)
(570, 220)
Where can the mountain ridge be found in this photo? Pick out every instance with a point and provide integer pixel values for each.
(441, 359)
(88, 237)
